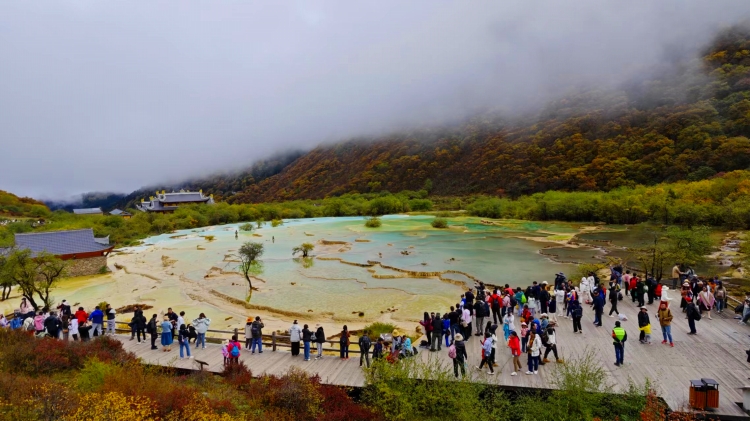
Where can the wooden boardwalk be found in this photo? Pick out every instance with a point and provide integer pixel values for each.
(717, 352)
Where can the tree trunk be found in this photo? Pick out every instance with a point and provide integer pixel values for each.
(31, 301)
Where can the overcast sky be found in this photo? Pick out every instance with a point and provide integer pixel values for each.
(113, 96)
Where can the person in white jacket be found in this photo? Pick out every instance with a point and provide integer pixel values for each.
(295, 334)
(201, 325)
(534, 347)
(73, 328)
(559, 302)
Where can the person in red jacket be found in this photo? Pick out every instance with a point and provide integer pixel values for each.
(515, 349)
(633, 281)
(81, 316)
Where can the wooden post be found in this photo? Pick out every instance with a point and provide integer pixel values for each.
(273, 340)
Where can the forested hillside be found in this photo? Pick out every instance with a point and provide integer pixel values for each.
(686, 123)
(14, 206)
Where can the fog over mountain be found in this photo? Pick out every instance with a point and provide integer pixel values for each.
(112, 96)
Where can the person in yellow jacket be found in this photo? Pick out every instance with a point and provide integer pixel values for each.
(619, 337)
(647, 331)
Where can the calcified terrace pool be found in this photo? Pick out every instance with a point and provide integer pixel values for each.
(187, 271)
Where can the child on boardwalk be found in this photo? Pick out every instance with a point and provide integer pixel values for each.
(225, 352)
(524, 336)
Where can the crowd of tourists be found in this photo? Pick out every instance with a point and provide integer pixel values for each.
(526, 319)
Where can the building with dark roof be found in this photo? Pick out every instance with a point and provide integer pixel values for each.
(123, 214)
(168, 202)
(87, 254)
(88, 211)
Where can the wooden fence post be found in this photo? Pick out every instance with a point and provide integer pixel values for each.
(273, 340)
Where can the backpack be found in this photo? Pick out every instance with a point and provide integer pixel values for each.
(255, 330)
(452, 352)
(235, 350)
(15, 323)
(523, 298)
(513, 301)
(365, 342)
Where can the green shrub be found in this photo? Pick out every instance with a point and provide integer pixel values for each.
(377, 328)
(420, 205)
(439, 223)
(276, 222)
(372, 222)
(246, 227)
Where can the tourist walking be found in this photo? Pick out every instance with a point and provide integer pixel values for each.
(457, 352)
(73, 328)
(97, 319)
(495, 303)
(256, 332)
(576, 312)
(551, 346)
(344, 341)
(559, 302)
(307, 337)
(183, 338)
(377, 351)
(534, 351)
(152, 329)
(486, 352)
(598, 308)
(201, 325)
(515, 350)
(481, 310)
(320, 339)
(364, 349)
(508, 325)
(295, 334)
(665, 321)
(166, 334)
(53, 325)
(619, 336)
(466, 323)
(693, 314)
(706, 301)
(614, 291)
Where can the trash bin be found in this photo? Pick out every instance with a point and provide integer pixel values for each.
(697, 394)
(712, 393)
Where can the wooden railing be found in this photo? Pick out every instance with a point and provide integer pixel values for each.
(274, 340)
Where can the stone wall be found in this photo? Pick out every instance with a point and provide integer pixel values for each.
(88, 266)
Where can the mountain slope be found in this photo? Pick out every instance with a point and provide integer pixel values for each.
(688, 123)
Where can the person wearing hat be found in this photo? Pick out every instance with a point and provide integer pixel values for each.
(643, 321)
(619, 336)
(665, 321)
(524, 336)
(686, 294)
(248, 332)
(460, 355)
(295, 334)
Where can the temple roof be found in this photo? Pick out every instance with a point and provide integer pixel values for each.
(118, 212)
(164, 202)
(87, 211)
(183, 197)
(62, 242)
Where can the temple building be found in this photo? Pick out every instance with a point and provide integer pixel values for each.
(168, 202)
(87, 254)
(121, 213)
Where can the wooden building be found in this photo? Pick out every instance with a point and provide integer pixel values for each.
(121, 213)
(88, 211)
(165, 202)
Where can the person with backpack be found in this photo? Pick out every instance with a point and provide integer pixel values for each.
(614, 292)
(234, 350)
(576, 311)
(364, 349)
(520, 298)
(486, 354)
(166, 334)
(110, 313)
(295, 334)
(183, 338)
(320, 339)
(515, 350)
(693, 314)
(495, 306)
(665, 321)
(201, 325)
(256, 333)
(17, 321)
(457, 353)
(53, 325)
(619, 336)
(152, 329)
(139, 325)
(479, 315)
(344, 341)
(543, 298)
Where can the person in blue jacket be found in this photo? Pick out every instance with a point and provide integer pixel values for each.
(97, 320)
